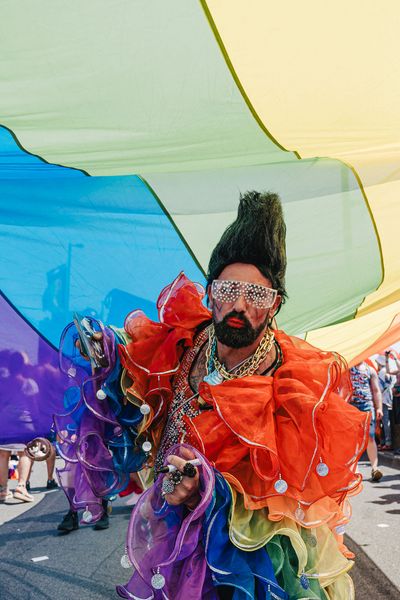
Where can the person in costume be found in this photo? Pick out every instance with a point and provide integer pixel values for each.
(96, 434)
(244, 433)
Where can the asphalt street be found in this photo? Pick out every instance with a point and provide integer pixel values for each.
(85, 565)
(82, 565)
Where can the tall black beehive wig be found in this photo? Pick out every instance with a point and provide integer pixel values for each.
(257, 237)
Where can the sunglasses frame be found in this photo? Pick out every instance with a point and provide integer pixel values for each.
(243, 292)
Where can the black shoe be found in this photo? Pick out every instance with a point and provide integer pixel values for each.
(103, 523)
(69, 522)
(51, 484)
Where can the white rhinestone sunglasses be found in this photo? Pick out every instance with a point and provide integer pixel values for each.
(260, 296)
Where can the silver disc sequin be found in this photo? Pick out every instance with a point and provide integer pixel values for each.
(146, 446)
(158, 581)
(280, 486)
(87, 516)
(311, 540)
(340, 529)
(304, 582)
(126, 562)
(71, 372)
(299, 514)
(101, 395)
(322, 469)
(144, 409)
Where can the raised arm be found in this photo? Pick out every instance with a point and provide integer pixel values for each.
(376, 394)
(397, 361)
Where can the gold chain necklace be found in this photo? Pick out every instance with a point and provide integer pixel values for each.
(248, 366)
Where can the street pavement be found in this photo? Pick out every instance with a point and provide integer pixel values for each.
(14, 508)
(374, 526)
(82, 565)
(85, 564)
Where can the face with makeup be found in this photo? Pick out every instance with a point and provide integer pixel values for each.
(241, 309)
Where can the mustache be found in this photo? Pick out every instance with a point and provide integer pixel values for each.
(236, 315)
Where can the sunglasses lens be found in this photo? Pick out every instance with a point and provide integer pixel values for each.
(226, 291)
(229, 291)
(259, 295)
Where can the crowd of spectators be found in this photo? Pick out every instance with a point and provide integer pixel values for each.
(376, 389)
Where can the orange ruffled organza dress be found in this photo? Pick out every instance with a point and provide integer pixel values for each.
(261, 429)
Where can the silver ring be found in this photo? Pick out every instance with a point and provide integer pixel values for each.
(167, 487)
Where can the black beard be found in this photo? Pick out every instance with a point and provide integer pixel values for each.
(234, 337)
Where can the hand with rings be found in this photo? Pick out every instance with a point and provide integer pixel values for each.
(182, 486)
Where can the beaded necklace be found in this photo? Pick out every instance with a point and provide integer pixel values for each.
(185, 402)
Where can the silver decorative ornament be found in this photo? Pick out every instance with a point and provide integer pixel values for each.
(311, 540)
(304, 581)
(299, 514)
(167, 487)
(145, 409)
(340, 529)
(125, 561)
(146, 446)
(101, 395)
(87, 516)
(281, 486)
(213, 378)
(322, 469)
(71, 372)
(158, 581)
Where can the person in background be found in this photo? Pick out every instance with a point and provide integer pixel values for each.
(50, 464)
(396, 393)
(386, 382)
(367, 397)
(24, 467)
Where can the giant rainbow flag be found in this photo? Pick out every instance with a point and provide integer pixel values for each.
(128, 128)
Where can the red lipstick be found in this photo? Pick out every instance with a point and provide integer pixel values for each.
(236, 323)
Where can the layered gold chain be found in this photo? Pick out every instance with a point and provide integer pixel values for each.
(248, 366)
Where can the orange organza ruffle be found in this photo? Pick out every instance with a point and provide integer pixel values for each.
(153, 355)
(263, 428)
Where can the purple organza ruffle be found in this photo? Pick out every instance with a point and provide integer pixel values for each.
(168, 540)
(89, 472)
